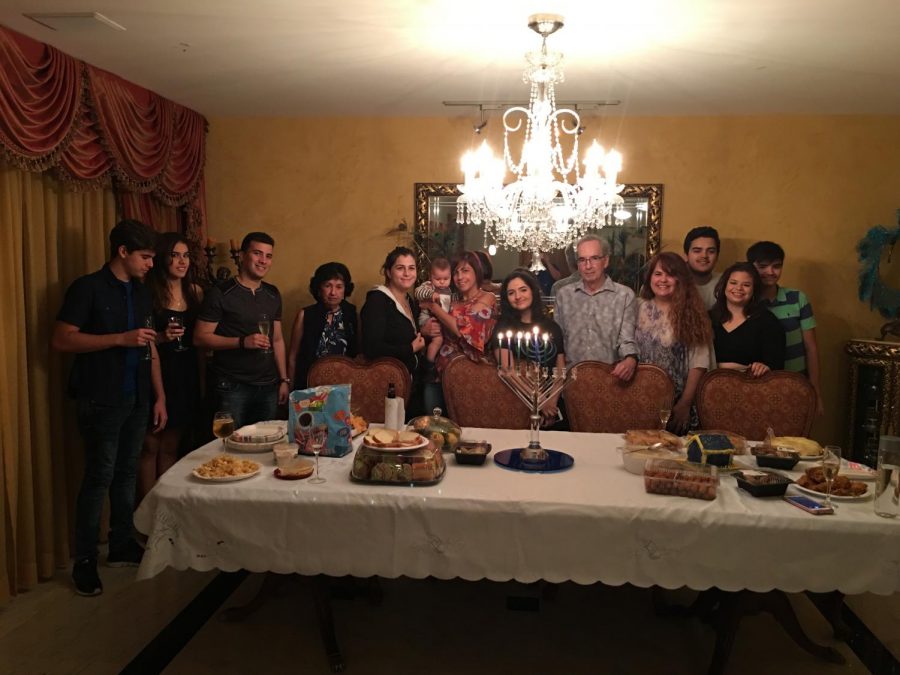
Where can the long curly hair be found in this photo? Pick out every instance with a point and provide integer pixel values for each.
(688, 316)
(538, 311)
(158, 277)
(720, 312)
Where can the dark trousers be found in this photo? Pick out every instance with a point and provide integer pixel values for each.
(113, 436)
(247, 403)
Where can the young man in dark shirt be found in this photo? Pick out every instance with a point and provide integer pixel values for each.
(102, 322)
(248, 368)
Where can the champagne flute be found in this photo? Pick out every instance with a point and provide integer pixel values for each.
(665, 412)
(223, 425)
(265, 328)
(831, 465)
(148, 323)
(318, 437)
(178, 320)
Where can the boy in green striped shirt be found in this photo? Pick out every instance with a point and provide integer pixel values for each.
(791, 307)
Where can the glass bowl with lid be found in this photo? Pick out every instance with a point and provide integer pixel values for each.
(443, 432)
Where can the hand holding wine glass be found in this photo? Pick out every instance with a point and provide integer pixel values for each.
(265, 329)
(831, 465)
(176, 326)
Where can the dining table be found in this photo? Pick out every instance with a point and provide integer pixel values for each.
(594, 522)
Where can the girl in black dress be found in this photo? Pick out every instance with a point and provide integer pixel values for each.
(176, 299)
(326, 328)
(747, 336)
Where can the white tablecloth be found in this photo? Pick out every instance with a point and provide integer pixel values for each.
(592, 523)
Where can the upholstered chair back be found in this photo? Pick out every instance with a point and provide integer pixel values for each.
(476, 397)
(735, 401)
(368, 381)
(598, 402)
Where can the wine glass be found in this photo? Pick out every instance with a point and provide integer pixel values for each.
(831, 465)
(178, 320)
(148, 323)
(318, 436)
(223, 425)
(665, 412)
(265, 328)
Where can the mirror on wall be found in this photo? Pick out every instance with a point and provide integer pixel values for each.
(437, 234)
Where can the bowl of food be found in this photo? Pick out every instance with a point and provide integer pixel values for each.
(762, 483)
(775, 457)
(441, 431)
(472, 452)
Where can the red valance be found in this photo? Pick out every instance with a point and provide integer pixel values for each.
(90, 126)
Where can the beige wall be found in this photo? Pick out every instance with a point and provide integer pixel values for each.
(331, 188)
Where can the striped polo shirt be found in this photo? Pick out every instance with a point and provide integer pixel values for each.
(792, 309)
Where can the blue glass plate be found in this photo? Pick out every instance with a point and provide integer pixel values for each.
(556, 462)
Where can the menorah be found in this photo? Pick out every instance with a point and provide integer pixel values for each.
(527, 369)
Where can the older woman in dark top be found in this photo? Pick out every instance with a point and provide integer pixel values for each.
(326, 328)
(746, 335)
(389, 314)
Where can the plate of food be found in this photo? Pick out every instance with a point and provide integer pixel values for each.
(807, 448)
(296, 469)
(225, 468)
(842, 488)
(656, 438)
(394, 441)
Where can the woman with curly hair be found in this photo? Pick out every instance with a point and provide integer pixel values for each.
(673, 332)
(328, 326)
(747, 336)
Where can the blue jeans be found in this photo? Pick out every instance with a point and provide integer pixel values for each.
(247, 403)
(433, 397)
(113, 436)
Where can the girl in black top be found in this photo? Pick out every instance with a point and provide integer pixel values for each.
(746, 335)
(522, 309)
(389, 314)
(326, 328)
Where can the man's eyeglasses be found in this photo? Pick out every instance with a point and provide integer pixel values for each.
(593, 260)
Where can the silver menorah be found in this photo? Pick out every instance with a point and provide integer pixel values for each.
(527, 369)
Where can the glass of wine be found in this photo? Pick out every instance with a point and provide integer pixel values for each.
(148, 323)
(318, 436)
(223, 426)
(831, 465)
(665, 412)
(265, 328)
(178, 320)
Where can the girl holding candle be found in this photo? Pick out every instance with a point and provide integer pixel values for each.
(522, 312)
(467, 327)
(673, 332)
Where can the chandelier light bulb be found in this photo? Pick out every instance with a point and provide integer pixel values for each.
(492, 250)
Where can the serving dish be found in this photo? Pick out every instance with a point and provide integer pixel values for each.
(762, 483)
(835, 498)
(472, 452)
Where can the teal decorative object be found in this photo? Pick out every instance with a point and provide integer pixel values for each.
(871, 288)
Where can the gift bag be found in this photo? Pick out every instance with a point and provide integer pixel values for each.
(322, 412)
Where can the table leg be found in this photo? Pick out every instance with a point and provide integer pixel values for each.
(322, 595)
(779, 606)
(270, 584)
(832, 607)
(725, 618)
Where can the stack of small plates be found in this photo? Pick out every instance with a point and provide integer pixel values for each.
(259, 437)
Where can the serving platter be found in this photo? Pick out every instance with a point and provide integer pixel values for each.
(225, 479)
(237, 446)
(835, 498)
(398, 448)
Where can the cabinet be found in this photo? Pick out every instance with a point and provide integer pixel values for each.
(874, 395)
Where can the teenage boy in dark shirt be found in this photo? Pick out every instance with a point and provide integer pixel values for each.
(792, 308)
(701, 251)
(102, 322)
(248, 369)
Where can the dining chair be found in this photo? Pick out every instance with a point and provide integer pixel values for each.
(476, 397)
(735, 401)
(368, 381)
(598, 402)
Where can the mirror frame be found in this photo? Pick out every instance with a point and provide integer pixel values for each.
(652, 192)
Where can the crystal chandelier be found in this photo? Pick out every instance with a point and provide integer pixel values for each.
(540, 210)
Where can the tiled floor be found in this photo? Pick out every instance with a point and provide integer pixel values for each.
(422, 626)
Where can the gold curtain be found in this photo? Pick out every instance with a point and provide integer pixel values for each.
(48, 237)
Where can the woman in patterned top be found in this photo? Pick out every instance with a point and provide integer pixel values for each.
(326, 328)
(673, 332)
(468, 326)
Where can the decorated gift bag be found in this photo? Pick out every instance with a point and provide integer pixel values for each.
(321, 414)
